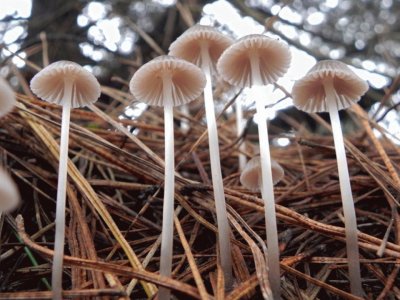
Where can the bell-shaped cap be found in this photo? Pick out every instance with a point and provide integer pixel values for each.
(186, 79)
(309, 94)
(188, 45)
(273, 55)
(9, 195)
(251, 174)
(7, 98)
(49, 84)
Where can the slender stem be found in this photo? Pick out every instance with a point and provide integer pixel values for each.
(345, 190)
(240, 128)
(185, 126)
(267, 187)
(167, 236)
(56, 278)
(224, 231)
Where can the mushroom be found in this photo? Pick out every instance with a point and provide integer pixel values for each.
(254, 61)
(7, 98)
(167, 81)
(330, 86)
(69, 85)
(251, 174)
(203, 45)
(9, 195)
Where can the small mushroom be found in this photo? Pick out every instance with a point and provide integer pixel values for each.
(253, 61)
(167, 81)
(251, 174)
(69, 85)
(9, 195)
(203, 45)
(7, 98)
(330, 86)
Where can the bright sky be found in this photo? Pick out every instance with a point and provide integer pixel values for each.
(109, 33)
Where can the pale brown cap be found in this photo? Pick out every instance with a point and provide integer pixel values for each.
(309, 94)
(9, 195)
(49, 84)
(187, 79)
(7, 98)
(188, 45)
(274, 60)
(251, 174)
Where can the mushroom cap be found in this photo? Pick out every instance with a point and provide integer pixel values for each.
(187, 79)
(49, 84)
(309, 94)
(188, 45)
(251, 174)
(9, 195)
(7, 98)
(274, 60)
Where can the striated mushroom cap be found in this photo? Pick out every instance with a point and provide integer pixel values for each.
(188, 45)
(9, 195)
(49, 84)
(274, 60)
(188, 81)
(251, 174)
(7, 98)
(309, 94)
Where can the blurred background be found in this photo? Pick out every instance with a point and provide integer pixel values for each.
(113, 38)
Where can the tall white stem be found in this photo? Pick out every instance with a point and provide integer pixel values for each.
(345, 190)
(240, 128)
(224, 232)
(267, 187)
(167, 236)
(56, 277)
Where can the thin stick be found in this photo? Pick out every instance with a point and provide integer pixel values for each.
(267, 187)
(56, 278)
(345, 190)
(169, 182)
(224, 231)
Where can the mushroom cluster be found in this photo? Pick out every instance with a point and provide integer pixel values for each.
(194, 59)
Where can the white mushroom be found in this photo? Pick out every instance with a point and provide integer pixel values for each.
(167, 81)
(69, 85)
(330, 86)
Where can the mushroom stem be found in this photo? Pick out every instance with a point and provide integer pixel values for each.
(345, 190)
(56, 277)
(167, 236)
(240, 128)
(267, 187)
(224, 231)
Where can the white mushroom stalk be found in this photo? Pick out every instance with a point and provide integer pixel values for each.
(330, 86)
(69, 85)
(240, 128)
(267, 185)
(56, 275)
(349, 212)
(167, 231)
(224, 231)
(167, 81)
